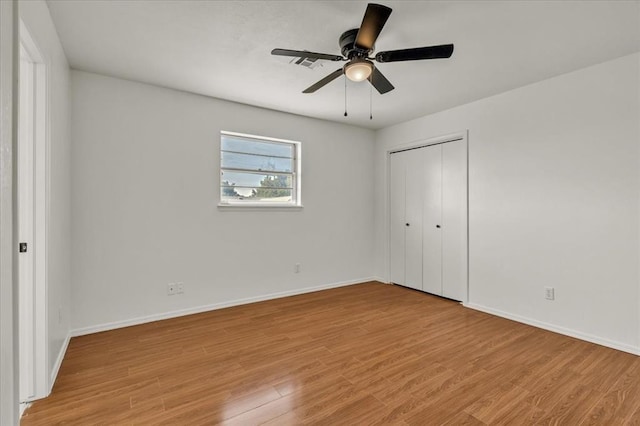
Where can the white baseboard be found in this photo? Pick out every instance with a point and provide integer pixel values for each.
(56, 366)
(204, 308)
(23, 407)
(557, 329)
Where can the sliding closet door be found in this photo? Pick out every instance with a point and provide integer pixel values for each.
(432, 219)
(454, 225)
(397, 175)
(414, 199)
(406, 197)
(428, 212)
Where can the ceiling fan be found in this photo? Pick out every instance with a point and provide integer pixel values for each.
(357, 44)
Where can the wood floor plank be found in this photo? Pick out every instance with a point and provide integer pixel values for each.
(363, 409)
(620, 401)
(574, 406)
(497, 402)
(397, 410)
(264, 413)
(369, 354)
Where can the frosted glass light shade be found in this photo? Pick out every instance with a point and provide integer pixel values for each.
(358, 70)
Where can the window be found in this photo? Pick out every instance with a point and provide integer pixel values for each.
(259, 171)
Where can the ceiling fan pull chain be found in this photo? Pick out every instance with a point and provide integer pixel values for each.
(345, 96)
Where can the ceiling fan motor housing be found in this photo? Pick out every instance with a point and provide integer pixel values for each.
(348, 47)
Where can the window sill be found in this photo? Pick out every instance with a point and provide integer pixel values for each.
(257, 206)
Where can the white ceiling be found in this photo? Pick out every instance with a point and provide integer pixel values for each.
(222, 48)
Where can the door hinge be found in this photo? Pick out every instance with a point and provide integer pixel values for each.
(23, 247)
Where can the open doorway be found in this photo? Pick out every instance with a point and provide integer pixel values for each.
(32, 208)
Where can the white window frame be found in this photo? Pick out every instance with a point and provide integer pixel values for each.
(296, 201)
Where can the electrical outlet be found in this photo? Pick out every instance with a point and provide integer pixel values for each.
(180, 288)
(549, 293)
(296, 268)
(171, 289)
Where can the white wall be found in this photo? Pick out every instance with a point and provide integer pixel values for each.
(145, 168)
(35, 15)
(553, 200)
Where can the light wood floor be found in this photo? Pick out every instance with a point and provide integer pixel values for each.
(359, 355)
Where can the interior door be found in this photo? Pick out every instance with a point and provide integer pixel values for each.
(432, 219)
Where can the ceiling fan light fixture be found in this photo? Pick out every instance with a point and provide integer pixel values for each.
(358, 70)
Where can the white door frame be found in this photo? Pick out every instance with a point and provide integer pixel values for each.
(33, 296)
(420, 143)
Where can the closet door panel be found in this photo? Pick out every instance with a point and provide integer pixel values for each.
(397, 174)
(454, 226)
(432, 220)
(413, 216)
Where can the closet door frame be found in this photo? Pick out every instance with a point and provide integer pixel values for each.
(421, 143)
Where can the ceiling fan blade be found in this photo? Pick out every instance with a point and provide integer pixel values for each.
(374, 19)
(328, 79)
(431, 52)
(305, 54)
(380, 82)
